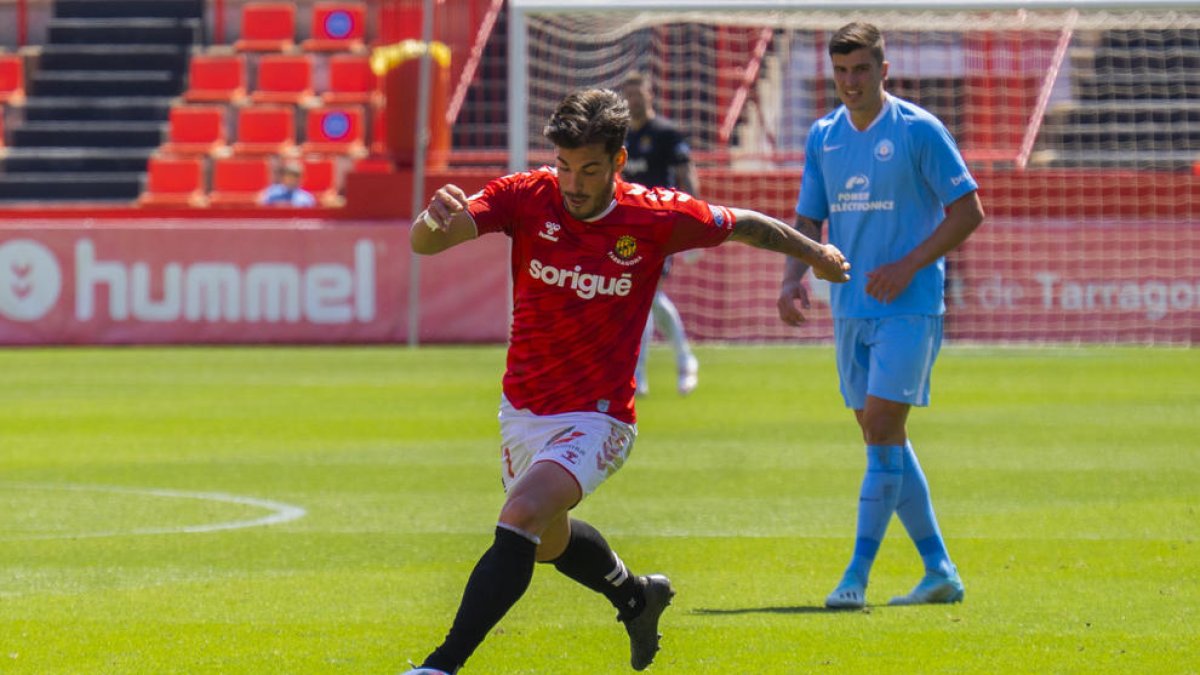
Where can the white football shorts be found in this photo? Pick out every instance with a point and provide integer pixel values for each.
(590, 446)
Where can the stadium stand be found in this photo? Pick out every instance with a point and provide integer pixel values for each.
(267, 27)
(321, 178)
(351, 81)
(485, 102)
(265, 130)
(12, 79)
(196, 130)
(216, 78)
(237, 181)
(96, 104)
(330, 130)
(337, 26)
(285, 79)
(1136, 103)
(174, 181)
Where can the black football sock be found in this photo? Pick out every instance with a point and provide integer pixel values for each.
(589, 560)
(497, 582)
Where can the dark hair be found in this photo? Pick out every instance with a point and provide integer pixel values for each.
(589, 116)
(855, 36)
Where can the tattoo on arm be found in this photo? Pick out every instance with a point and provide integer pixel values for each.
(760, 231)
(809, 227)
(795, 269)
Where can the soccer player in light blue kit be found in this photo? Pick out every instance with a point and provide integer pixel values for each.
(898, 196)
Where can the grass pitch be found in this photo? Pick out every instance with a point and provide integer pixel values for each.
(283, 510)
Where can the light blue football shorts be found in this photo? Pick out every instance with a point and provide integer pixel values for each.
(888, 357)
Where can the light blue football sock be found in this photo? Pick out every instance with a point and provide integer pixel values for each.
(877, 501)
(916, 512)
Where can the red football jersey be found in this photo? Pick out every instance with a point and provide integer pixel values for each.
(582, 290)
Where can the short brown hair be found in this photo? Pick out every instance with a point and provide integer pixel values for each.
(589, 116)
(855, 36)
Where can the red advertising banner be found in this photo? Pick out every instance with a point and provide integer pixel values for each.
(465, 291)
(186, 281)
(1045, 280)
(1077, 281)
(234, 282)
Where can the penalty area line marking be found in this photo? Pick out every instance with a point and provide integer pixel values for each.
(279, 511)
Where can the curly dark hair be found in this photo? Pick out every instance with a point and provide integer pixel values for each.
(589, 116)
(855, 36)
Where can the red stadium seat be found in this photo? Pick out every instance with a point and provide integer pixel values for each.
(174, 181)
(336, 27)
(267, 27)
(322, 180)
(196, 130)
(334, 130)
(351, 81)
(238, 181)
(216, 78)
(265, 130)
(284, 78)
(12, 79)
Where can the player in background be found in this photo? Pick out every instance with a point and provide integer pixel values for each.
(658, 156)
(898, 196)
(587, 252)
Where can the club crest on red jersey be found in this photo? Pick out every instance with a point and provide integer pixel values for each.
(625, 251)
(551, 231)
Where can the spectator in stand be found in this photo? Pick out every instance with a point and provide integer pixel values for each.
(287, 191)
(659, 157)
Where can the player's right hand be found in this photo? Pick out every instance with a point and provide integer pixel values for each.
(831, 265)
(447, 202)
(790, 292)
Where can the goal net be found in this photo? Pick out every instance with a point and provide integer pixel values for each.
(1081, 122)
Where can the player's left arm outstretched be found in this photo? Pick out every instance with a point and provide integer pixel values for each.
(963, 216)
(763, 231)
(444, 223)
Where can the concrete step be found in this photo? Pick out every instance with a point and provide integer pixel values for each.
(76, 83)
(90, 186)
(1125, 112)
(88, 134)
(99, 9)
(1124, 137)
(76, 160)
(1126, 159)
(113, 57)
(102, 108)
(1151, 39)
(124, 31)
(1135, 86)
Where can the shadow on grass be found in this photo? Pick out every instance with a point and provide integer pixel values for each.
(812, 609)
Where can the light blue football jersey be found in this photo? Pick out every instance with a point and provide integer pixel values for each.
(883, 192)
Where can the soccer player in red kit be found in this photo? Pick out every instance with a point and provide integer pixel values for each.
(587, 253)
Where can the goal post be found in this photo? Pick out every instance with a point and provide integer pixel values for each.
(1080, 119)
